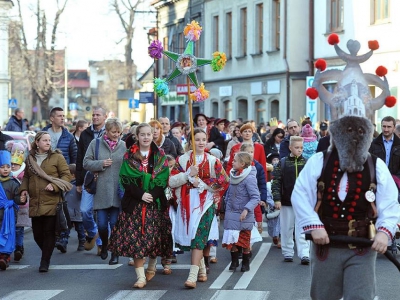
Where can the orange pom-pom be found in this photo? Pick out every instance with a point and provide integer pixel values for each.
(320, 64)
(373, 45)
(381, 71)
(390, 101)
(312, 93)
(333, 39)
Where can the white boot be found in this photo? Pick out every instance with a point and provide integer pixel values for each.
(202, 276)
(191, 281)
(141, 278)
(151, 269)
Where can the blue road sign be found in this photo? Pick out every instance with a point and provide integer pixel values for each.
(12, 103)
(146, 97)
(133, 103)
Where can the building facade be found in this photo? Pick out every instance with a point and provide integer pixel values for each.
(5, 7)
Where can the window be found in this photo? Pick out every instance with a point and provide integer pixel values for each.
(228, 35)
(165, 58)
(336, 15)
(259, 28)
(277, 25)
(380, 11)
(181, 45)
(216, 33)
(243, 31)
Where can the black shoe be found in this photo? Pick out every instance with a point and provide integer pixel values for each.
(62, 246)
(245, 262)
(288, 259)
(81, 246)
(3, 264)
(18, 253)
(104, 253)
(305, 261)
(44, 266)
(234, 261)
(113, 260)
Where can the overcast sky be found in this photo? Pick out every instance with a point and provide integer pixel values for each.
(91, 30)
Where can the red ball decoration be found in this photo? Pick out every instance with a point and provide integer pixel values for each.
(390, 101)
(320, 64)
(335, 216)
(373, 45)
(349, 218)
(359, 175)
(351, 209)
(381, 71)
(335, 208)
(312, 93)
(333, 39)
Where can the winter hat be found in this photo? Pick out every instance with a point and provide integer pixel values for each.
(18, 151)
(307, 133)
(5, 158)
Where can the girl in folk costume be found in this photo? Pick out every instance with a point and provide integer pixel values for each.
(195, 221)
(241, 199)
(143, 228)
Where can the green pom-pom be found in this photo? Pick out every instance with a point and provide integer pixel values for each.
(160, 87)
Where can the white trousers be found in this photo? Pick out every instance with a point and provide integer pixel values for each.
(288, 225)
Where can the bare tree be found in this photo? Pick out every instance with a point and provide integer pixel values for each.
(126, 14)
(40, 64)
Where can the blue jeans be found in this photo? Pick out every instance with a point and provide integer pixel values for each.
(87, 215)
(80, 230)
(19, 236)
(107, 217)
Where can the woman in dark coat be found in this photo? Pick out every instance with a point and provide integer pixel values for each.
(159, 139)
(272, 144)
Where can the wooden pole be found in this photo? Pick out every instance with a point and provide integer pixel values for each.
(191, 121)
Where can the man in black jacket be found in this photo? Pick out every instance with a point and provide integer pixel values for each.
(3, 139)
(166, 126)
(387, 146)
(95, 130)
(294, 130)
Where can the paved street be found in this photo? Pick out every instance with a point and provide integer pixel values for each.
(83, 275)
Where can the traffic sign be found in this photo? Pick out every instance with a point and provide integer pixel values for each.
(146, 97)
(133, 103)
(12, 103)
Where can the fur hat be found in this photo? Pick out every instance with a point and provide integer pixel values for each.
(351, 136)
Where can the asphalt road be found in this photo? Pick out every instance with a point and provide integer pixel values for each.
(83, 275)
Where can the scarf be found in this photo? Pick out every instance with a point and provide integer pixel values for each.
(132, 172)
(237, 177)
(63, 185)
(309, 138)
(111, 144)
(7, 231)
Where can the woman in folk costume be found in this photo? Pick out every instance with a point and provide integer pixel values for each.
(195, 221)
(143, 228)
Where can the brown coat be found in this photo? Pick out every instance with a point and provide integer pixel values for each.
(42, 202)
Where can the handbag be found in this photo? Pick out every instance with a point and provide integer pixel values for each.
(90, 181)
(63, 219)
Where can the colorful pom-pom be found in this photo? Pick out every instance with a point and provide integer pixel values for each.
(200, 94)
(155, 49)
(381, 71)
(373, 45)
(192, 31)
(312, 93)
(390, 101)
(333, 39)
(218, 62)
(320, 64)
(160, 87)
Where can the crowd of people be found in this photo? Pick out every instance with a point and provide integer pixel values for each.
(162, 190)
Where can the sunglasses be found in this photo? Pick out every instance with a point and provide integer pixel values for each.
(279, 136)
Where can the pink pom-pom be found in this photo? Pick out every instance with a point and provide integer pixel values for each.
(390, 101)
(320, 64)
(381, 71)
(333, 39)
(155, 49)
(312, 93)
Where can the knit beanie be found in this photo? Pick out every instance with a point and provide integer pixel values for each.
(307, 133)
